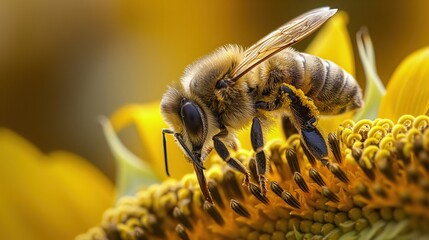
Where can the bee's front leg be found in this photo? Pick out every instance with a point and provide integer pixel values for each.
(203, 183)
(223, 152)
(257, 140)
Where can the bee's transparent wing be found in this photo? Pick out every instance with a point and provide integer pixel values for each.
(285, 36)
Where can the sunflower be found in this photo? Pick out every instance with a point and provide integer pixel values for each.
(375, 185)
(48, 196)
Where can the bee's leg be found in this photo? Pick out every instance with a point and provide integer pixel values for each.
(257, 140)
(223, 152)
(271, 106)
(314, 142)
(203, 183)
(304, 117)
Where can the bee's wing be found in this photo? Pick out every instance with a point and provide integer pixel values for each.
(288, 34)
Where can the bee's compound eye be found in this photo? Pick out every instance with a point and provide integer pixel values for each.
(192, 119)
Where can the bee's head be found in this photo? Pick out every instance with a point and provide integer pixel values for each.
(188, 121)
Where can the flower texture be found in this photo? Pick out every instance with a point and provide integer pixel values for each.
(374, 185)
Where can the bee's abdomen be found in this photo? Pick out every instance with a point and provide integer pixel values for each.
(332, 89)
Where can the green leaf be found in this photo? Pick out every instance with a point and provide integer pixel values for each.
(132, 172)
(374, 88)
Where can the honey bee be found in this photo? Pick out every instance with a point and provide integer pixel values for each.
(232, 87)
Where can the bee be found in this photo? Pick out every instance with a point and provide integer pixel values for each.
(232, 87)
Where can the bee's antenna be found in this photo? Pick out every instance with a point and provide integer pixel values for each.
(182, 143)
(164, 145)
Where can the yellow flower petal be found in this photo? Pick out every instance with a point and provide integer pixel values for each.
(85, 189)
(274, 132)
(333, 43)
(51, 196)
(147, 118)
(408, 89)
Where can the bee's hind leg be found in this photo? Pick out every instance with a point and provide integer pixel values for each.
(223, 152)
(257, 140)
(304, 114)
(303, 117)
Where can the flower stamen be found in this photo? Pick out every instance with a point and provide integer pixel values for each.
(239, 208)
(213, 213)
(334, 145)
(292, 160)
(299, 180)
(181, 232)
(286, 196)
(256, 191)
(379, 189)
(182, 218)
(316, 177)
(338, 172)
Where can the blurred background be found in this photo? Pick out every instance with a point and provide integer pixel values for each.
(64, 63)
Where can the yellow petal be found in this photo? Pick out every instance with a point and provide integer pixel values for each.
(273, 133)
(147, 118)
(333, 43)
(85, 189)
(408, 89)
(52, 196)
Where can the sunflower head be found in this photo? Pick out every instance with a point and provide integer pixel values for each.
(374, 184)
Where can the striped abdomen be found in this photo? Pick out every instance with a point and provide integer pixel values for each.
(332, 89)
